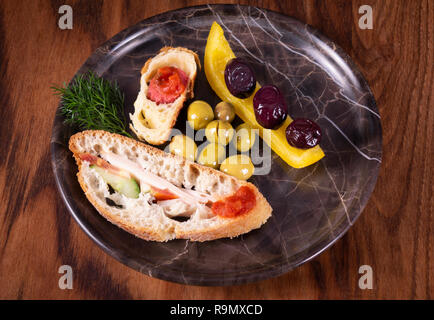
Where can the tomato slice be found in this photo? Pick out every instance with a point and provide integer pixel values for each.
(161, 194)
(239, 203)
(167, 85)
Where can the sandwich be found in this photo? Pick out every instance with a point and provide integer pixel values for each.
(167, 81)
(160, 196)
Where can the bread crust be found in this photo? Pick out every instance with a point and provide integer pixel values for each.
(227, 227)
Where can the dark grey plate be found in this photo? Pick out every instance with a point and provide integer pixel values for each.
(312, 207)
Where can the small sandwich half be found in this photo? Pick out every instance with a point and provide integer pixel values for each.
(167, 81)
(159, 196)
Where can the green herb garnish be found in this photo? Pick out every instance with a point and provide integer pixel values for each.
(93, 103)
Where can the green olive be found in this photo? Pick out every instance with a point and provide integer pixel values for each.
(199, 114)
(244, 137)
(183, 146)
(212, 155)
(218, 131)
(224, 111)
(240, 166)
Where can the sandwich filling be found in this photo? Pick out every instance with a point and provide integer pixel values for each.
(125, 176)
(167, 85)
(240, 203)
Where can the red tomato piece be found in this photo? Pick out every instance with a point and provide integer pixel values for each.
(239, 203)
(161, 195)
(167, 85)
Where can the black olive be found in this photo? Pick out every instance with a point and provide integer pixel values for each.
(303, 133)
(270, 107)
(240, 78)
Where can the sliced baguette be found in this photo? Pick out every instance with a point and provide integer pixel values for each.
(149, 220)
(153, 122)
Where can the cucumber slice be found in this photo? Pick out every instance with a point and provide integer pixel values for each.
(126, 186)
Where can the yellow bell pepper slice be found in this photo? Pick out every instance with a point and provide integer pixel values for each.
(217, 54)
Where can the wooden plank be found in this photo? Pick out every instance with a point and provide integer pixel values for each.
(393, 235)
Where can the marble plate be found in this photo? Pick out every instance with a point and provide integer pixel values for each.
(313, 207)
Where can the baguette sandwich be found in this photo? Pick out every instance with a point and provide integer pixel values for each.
(167, 81)
(159, 196)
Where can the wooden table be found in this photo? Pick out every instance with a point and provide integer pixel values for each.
(394, 235)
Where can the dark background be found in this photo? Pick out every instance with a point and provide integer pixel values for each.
(393, 235)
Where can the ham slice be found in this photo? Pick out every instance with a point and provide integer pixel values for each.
(191, 197)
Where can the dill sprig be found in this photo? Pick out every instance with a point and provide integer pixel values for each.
(93, 103)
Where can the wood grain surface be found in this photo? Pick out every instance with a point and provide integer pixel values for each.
(394, 235)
